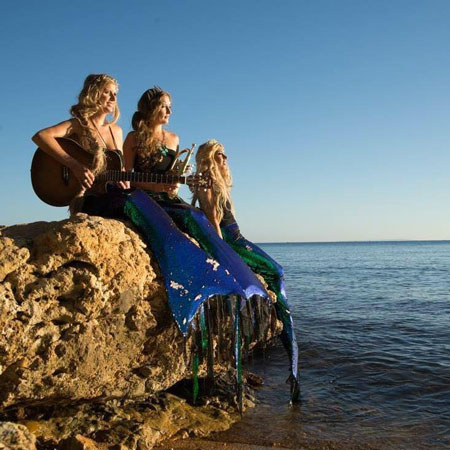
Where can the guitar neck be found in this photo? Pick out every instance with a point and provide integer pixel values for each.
(141, 177)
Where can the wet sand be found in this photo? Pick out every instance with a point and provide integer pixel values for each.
(206, 444)
(200, 444)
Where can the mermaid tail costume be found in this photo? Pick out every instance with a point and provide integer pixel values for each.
(173, 249)
(260, 262)
(191, 274)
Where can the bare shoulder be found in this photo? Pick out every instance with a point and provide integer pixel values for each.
(131, 136)
(171, 134)
(116, 128)
(172, 139)
(130, 141)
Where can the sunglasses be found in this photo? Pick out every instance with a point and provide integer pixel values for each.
(222, 155)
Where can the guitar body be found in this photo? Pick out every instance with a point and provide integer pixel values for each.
(55, 184)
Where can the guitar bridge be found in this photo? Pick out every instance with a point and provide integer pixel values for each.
(65, 174)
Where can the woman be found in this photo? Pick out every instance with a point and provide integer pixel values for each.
(89, 127)
(151, 148)
(217, 204)
(191, 274)
(166, 219)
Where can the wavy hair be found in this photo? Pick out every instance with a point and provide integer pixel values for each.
(143, 121)
(87, 106)
(221, 177)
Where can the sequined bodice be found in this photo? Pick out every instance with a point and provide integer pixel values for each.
(157, 162)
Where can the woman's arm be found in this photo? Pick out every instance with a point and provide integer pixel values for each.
(118, 140)
(129, 154)
(207, 199)
(46, 140)
(129, 150)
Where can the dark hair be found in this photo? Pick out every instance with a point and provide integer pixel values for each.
(146, 105)
(147, 112)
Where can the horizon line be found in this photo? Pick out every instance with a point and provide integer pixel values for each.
(369, 241)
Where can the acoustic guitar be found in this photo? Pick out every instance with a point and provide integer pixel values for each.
(55, 184)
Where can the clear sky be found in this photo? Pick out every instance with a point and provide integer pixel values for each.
(334, 113)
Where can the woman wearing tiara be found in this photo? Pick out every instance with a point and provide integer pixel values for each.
(212, 269)
(151, 148)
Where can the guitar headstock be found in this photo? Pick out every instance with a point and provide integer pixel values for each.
(199, 181)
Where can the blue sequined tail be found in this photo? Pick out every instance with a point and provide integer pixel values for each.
(191, 274)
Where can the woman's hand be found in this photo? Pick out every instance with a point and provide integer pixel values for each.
(171, 189)
(82, 174)
(123, 184)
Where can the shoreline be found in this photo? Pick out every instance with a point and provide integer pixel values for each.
(209, 444)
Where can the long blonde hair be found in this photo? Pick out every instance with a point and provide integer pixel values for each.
(143, 121)
(87, 106)
(221, 177)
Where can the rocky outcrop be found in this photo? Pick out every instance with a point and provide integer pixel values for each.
(83, 315)
(84, 321)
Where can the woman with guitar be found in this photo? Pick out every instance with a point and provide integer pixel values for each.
(89, 127)
(217, 204)
(190, 274)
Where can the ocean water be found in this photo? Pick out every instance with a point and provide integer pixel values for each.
(373, 329)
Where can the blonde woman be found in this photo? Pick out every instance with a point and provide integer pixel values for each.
(217, 205)
(89, 126)
(216, 202)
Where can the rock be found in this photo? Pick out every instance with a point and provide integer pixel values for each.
(16, 437)
(80, 442)
(82, 309)
(131, 424)
(84, 321)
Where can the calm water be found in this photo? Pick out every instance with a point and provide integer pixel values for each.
(373, 328)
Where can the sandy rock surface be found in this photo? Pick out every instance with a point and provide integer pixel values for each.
(88, 345)
(82, 314)
(16, 437)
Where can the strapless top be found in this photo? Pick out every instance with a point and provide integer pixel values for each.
(157, 162)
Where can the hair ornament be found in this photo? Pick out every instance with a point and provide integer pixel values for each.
(154, 93)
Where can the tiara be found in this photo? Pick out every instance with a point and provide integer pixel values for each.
(154, 93)
(97, 80)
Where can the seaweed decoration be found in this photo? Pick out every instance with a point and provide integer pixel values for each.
(195, 388)
(210, 349)
(237, 353)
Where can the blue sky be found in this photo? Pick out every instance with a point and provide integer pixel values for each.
(334, 113)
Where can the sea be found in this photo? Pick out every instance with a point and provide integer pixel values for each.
(372, 322)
